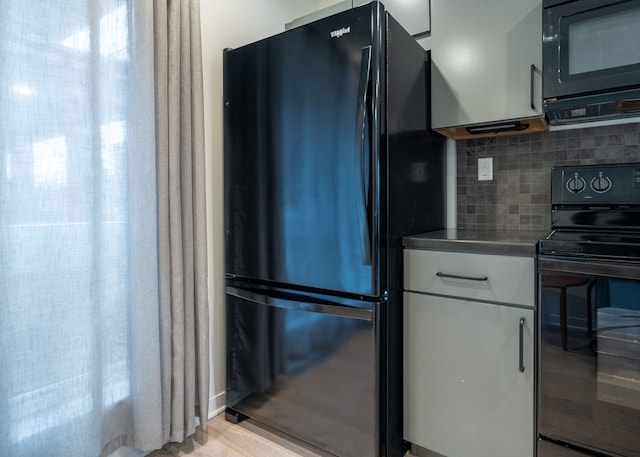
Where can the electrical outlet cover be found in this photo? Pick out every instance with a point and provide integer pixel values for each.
(485, 169)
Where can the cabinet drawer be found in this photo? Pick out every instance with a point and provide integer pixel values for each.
(498, 278)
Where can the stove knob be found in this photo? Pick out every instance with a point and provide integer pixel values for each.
(576, 184)
(601, 183)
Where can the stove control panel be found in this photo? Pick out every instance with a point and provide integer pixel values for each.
(611, 184)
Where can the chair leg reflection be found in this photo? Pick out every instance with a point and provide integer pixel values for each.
(563, 282)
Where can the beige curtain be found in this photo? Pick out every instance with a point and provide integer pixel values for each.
(181, 218)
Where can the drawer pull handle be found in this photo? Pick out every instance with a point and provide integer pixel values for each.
(521, 361)
(468, 278)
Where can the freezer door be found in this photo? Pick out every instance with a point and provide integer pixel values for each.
(300, 201)
(307, 369)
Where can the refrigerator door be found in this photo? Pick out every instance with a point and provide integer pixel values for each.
(301, 204)
(306, 368)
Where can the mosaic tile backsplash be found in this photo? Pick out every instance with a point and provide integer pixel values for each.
(518, 196)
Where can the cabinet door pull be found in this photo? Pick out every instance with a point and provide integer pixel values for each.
(468, 278)
(521, 361)
(533, 87)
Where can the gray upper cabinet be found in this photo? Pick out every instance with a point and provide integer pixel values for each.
(486, 66)
(413, 15)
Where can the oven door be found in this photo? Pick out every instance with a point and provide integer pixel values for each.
(590, 46)
(588, 357)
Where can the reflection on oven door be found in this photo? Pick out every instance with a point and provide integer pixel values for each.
(589, 364)
(619, 356)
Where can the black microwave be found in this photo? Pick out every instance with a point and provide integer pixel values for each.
(591, 60)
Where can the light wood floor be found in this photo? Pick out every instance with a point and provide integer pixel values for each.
(246, 439)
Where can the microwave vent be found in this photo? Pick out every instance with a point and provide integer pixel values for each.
(595, 107)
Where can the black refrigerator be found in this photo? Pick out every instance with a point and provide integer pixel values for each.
(328, 161)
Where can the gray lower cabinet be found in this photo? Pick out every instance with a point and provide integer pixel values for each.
(469, 362)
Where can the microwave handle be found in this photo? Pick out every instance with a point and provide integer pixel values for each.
(533, 86)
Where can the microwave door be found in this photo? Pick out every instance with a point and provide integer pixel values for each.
(590, 46)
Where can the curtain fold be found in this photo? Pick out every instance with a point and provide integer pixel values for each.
(182, 217)
(103, 275)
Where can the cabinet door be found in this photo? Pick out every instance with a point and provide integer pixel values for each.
(482, 54)
(465, 394)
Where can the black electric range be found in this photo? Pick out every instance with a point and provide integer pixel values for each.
(588, 314)
(595, 212)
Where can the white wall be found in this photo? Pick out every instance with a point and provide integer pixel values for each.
(228, 24)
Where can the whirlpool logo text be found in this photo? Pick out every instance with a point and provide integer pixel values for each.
(338, 33)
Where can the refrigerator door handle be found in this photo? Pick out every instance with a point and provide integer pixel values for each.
(362, 130)
(282, 300)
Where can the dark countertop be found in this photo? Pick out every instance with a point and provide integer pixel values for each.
(501, 242)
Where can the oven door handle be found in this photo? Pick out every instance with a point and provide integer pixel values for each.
(555, 264)
(521, 355)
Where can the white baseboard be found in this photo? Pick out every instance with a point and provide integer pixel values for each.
(217, 403)
(127, 452)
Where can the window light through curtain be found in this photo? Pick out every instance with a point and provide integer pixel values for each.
(78, 267)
